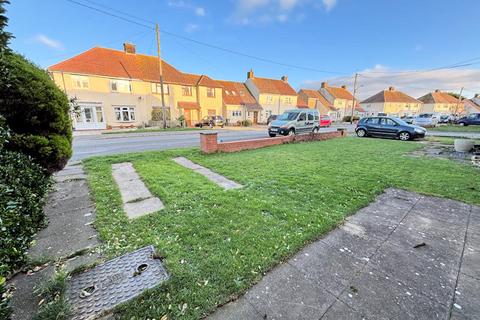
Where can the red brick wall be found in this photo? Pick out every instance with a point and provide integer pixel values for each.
(208, 141)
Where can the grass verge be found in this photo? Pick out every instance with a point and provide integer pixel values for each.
(218, 243)
(456, 128)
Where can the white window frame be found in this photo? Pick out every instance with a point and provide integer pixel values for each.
(81, 82)
(210, 92)
(122, 86)
(189, 90)
(288, 100)
(120, 113)
(156, 88)
(236, 113)
(269, 99)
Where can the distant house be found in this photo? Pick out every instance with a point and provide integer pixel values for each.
(302, 103)
(238, 102)
(441, 102)
(315, 100)
(472, 105)
(391, 102)
(340, 99)
(274, 96)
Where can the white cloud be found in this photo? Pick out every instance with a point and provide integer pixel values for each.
(191, 27)
(49, 42)
(415, 84)
(250, 12)
(183, 4)
(329, 4)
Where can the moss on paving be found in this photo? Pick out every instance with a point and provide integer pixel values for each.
(218, 243)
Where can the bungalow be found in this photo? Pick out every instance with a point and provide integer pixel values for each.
(238, 102)
(274, 96)
(391, 102)
(441, 102)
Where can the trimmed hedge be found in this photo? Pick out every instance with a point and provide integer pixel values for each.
(36, 111)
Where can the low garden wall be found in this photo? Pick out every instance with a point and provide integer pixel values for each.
(209, 141)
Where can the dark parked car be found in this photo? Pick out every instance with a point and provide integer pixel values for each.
(388, 127)
(271, 118)
(471, 119)
(211, 121)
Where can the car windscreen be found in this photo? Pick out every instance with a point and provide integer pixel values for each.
(288, 116)
(425, 115)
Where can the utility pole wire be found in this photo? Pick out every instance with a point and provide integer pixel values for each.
(160, 70)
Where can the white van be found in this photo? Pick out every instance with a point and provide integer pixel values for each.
(295, 121)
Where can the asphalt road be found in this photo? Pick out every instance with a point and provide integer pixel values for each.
(105, 144)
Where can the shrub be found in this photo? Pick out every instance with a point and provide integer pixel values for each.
(36, 111)
(246, 123)
(347, 118)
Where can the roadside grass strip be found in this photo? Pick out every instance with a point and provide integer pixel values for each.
(137, 199)
(217, 244)
(216, 178)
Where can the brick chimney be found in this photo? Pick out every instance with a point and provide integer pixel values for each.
(250, 74)
(344, 87)
(391, 88)
(129, 48)
(324, 84)
(437, 90)
(284, 78)
(477, 95)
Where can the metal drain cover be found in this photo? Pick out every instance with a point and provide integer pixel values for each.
(100, 289)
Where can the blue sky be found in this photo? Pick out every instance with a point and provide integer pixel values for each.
(380, 39)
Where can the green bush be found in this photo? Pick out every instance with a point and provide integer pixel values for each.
(347, 118)
(246, 123)
(36, 111)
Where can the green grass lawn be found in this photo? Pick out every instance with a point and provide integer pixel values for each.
(152, 130)
(456, 128)
(218, 243)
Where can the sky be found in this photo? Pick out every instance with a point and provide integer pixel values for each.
(389, 43)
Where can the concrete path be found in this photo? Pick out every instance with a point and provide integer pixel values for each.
(68, 241)
(405, 256)
(137, 199)
(216, 178)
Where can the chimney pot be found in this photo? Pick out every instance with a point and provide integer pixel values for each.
(129, 48)
(324, 84)
(344, 87)
(391, 88)
(437, 90)
(285, 78)
(477, 95)
(250, 74)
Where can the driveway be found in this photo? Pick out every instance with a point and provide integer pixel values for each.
(405, 256)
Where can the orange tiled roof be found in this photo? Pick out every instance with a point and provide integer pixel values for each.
(438, 97)
(236, 93)
(391, 95)
(339, 93)
(313, 94)
(301, 103)
(265, 85)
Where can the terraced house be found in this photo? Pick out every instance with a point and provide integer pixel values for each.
(441, 102)
(315, 100)
(392, 102)
(340, 100)
(238, 103)
(116, 88)
(274, 96)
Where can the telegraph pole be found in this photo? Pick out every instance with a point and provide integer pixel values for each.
(458, 103)
(354, 95)
(164, 111)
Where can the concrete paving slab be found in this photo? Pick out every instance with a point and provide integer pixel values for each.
(288, 294)
(237, 310)
(70, 170)
(216, 178)
(471, 255)
(86, 259)
(378, 296)
(361, 245)
(467, 298)
(24, 302)
(331, 267)
(435, 229)
(68, 204)
(70, 189)
(340, 310)
(142, 207)
(133, 190)
(454, 214)
(70, 177)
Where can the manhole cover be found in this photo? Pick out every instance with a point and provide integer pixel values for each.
(100, 289)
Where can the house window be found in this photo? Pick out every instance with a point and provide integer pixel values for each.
(268, 113)
(120, 86)
(227, 92)
(80, 82)
(124, 114)
(156, 88)
(211, 92)
(269, 99)
(236, 113)
(234, 93)
(288, 100)
(186, 91)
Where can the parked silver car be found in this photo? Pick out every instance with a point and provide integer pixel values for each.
(427, 119)
(295, 121)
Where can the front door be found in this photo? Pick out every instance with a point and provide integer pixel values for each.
(89, 117)
(255, 117)
(187, 113)
(388, 127)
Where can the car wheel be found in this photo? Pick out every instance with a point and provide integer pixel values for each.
(291, 132)
(361, 133)
(315, 130)
(404, 136)
(272, 135)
